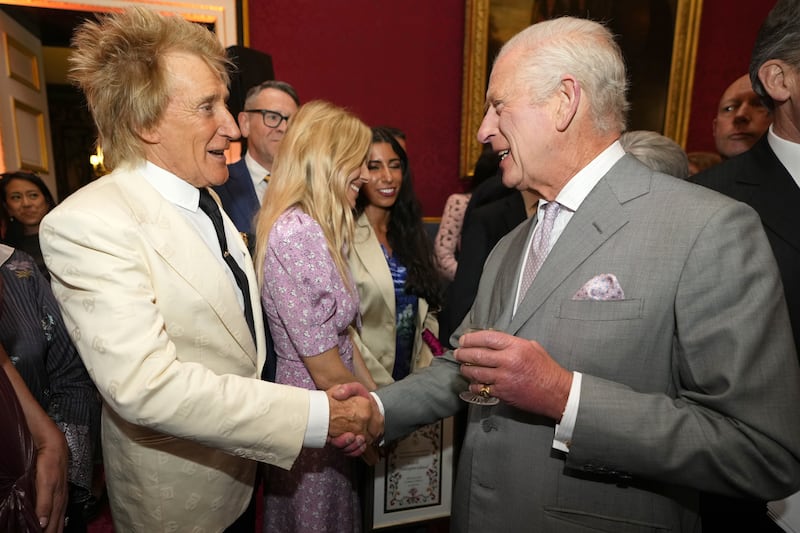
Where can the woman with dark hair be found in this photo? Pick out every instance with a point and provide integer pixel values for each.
(26, 200)
(35, 337)
(393, 267)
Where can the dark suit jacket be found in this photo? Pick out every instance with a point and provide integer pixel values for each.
(758, 179)
(671, 402)
(486, 225)
(238, 197)
(240, 202)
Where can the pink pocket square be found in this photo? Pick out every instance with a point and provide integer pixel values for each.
(601, 287)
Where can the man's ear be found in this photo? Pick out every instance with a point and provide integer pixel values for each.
(569, 96)
(773, 76)
(150, 135)
(244, 124)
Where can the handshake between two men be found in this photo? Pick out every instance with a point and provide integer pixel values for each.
(355, 421)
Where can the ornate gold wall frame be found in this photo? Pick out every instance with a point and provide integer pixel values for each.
(476, 44)
(221, 14)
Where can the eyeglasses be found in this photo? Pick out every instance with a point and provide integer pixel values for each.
(272, 119)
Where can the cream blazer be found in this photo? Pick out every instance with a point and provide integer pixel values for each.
(159, 327)
(376, 339)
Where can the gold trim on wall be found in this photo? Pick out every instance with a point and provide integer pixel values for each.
(473, 90)
(28, 123)
(681, 73)
(476, 36)
(219, 13)
(25, 69)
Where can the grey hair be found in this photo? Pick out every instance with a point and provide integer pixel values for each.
(658, 152)
(778, 38)
(272, 84)
(586, 50)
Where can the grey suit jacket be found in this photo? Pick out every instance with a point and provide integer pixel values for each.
(758, 179)
(689, 383)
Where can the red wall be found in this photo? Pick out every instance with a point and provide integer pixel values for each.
(399, 63)
(727, 32)
(392, 63)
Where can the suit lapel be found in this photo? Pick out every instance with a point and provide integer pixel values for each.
(505, 287)
(163, 226)
(774, 193)
(242, 192)
(598, 218)
(370, 254)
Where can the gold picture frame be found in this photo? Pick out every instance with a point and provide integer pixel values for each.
(676, 106)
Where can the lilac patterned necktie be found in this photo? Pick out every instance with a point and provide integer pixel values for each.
(538, 249)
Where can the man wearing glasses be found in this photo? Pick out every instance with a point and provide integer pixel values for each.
(268, 107)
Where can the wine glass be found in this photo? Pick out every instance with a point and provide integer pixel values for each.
(482, 398)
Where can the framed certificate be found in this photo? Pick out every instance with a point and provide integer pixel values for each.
(414, 481)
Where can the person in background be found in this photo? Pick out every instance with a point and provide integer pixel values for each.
(742, 118)
(485, 226)
(304, 231)
(268, 108)
(699, 161)
(485, 187)
(34, 334)
(657, 152)
(33, 459)
(159, 293)
(393, 268)
(398, 134)
(767, 177)
(448, 237)
(634, 332)
(26, 200)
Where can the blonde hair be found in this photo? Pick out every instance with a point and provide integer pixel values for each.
(323, 146)
(118, 62)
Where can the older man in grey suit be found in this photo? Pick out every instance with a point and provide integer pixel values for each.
(651, 357)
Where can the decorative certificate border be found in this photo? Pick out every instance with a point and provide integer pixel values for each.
(414, 481)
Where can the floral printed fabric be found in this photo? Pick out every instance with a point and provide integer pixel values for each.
(406, 306)
(448, 238)
(309, 309)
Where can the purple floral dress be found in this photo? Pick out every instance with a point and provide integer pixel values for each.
(308, 308)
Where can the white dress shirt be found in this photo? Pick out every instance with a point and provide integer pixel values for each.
(787, 152)
(186, 197)
(571, 197)
(258, 174)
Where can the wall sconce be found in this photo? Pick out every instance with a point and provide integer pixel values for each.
(96, 160)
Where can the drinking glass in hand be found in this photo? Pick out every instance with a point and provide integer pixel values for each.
(484, 397)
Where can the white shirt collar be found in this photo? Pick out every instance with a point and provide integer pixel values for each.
(787, 152)
(578, 188)
(174, 189)
(256, 170)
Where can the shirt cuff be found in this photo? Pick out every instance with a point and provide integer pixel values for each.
(563, 437)
(316, 435)
(383, 413)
